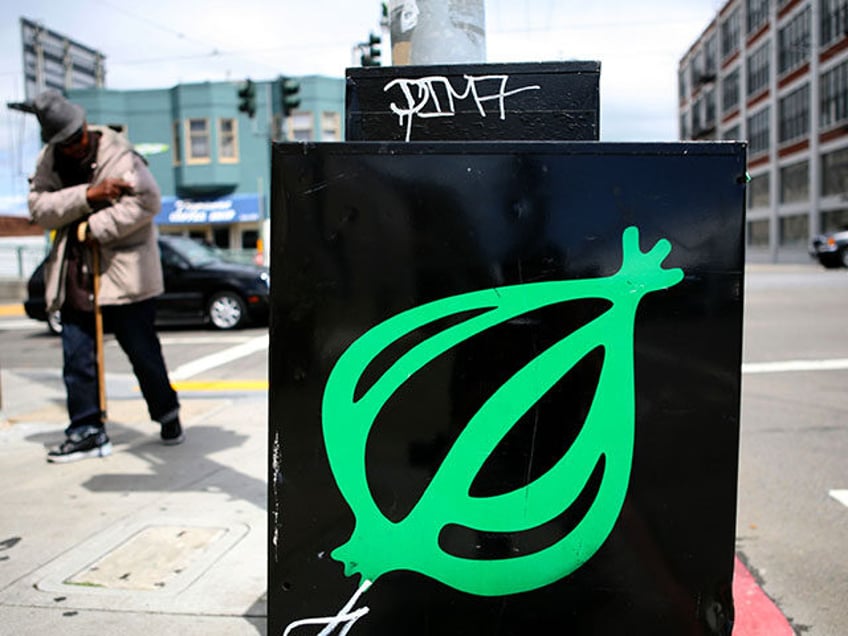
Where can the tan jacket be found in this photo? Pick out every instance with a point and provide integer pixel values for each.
(129, 254)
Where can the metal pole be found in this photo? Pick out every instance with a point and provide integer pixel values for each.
(437, 31)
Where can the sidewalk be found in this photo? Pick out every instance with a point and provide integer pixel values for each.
(150, 540)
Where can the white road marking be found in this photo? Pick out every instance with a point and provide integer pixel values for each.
(21, 325)
(220, 358)
(835, 364)
(840, 495)
(196, 340)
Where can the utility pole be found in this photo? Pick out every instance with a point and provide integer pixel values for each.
(437, 31)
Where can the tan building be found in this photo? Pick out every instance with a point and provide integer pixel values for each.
(775, 73)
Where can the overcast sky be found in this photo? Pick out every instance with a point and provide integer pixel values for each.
(160, 43)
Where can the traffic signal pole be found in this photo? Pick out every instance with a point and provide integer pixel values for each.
(437, 31)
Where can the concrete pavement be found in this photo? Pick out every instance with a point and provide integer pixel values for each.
(149, 540)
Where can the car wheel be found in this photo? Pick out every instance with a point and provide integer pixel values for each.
(226, 310)
(843, 257)
(54, 322)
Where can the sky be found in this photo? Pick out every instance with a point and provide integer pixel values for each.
(161, 43)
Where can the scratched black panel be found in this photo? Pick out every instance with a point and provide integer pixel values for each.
(528, 101)
(365, 231)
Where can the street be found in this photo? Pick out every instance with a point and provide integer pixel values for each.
(792, 525)
(792, 528)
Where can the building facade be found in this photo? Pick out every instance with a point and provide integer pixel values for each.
(212, 161)
(775, 73)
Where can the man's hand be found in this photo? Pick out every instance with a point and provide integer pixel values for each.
(107, 191)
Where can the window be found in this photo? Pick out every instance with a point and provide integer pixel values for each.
(794, 42)
(301, 124)
(710, 105)
(696, 66)
(794, 230)
(834, 173)
(684, 127)
(730, 91)
(249, 239)
(758, 131)
(697, 124)
(681, 83)
(711, 57)
(795, 183)
(756, 14)
(758, 191)
(198, 141)
(331, 126)
(730, 31)
(758, 233)
(732, 134)
(227, 140)
(834, 96)
(834, 20)
(758, 69)
(178, 152)
(834, 220)
(794, 114)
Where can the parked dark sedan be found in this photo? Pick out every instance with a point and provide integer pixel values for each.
(831, 248)
(201, 287)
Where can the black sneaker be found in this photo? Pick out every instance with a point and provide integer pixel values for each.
(172, 433)
(74, 448)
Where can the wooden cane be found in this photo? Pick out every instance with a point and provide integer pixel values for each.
(98, 332)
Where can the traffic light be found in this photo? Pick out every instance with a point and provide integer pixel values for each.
(247, 98)
(370, 51)
(289, 89)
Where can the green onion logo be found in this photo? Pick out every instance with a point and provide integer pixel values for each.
(379, 545)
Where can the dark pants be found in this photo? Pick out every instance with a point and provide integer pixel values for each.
(133, 328)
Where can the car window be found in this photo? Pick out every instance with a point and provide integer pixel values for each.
(197, 254)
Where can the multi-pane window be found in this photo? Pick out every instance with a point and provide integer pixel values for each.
(696, 65)
(795, 183)
(730, 31)
(756, 14)
(758, 233)
(758, 69)
(834, 220)
(710, 108)
(794, 114)
(834, 96)
(758, 131)
(730, 91)
(175, 134)
(331, 128)
(758, 191)
(302, 126)
(198, 141)
(794, 42)
(732, 134)
(834, 173)
(711, 56)
(794, 230)
(697, 121)
(227, 140)
(834, 20)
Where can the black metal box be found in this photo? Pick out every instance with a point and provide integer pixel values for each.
(497, 102)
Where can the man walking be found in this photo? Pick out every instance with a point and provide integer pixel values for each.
(97, 193)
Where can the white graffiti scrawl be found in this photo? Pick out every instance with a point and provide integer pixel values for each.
(435, 96)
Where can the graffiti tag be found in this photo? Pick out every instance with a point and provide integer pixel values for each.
(435, 96)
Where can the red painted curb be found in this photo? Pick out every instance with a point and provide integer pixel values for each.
(756, 614)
